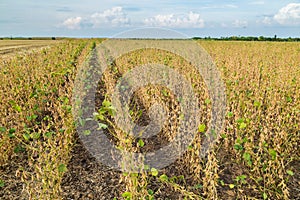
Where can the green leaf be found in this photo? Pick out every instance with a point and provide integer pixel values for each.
(134, 175)
(242, 125)
(146, 167)
(230, 114)
(112, 111)
(201, 128)
(273, 153)
(68, 108)
(198, 186)
(241, 178)
(102, 126)
(245, 140)
(246, 156)
(154, 172)
(99, 115)
(207, 101)
(141, 143)
(150, 192)
(181, 116)
(106, 103)
(11, 135)
(35, 135)
(164, 178)
(164, 92)
(265, 196)
(17, 108)
(32, 117)
(125, 173)
(222, 182)
(127, 195)
(238, 147)
(49, 134)
(12, 130)
(26, 136)
(2, 129)
(2, 183)
(128, 141)
(240, 120)
(257, 104)
(19, 148)
(290, 172)
(62, 168)
(86, 132)
(231, 186)
(289, 99)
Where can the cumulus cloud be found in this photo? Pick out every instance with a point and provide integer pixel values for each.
(289, 15)
(114, 17)
(72, 23)
(240, 23)
(190, 20)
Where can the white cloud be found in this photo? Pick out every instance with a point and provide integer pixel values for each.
(72, 23)
(190, 20)
(218, 6)
(240, 23)
(114, 17)
(230, 6)
(267, 20)
(257, 3)
(289, 15)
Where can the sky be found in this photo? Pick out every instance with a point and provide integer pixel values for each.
(106, 18)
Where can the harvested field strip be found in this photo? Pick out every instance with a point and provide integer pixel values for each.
(19, 48)
(13, 46)
(8, 43)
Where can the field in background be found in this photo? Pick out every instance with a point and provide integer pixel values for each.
(256, 157)
(10, 47)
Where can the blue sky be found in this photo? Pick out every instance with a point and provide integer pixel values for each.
(94, 18)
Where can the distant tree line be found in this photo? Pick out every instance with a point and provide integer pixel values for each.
(231, 38)
(250, 38)
(30, 38)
